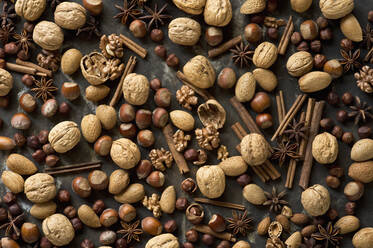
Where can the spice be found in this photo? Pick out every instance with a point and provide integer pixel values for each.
(24, 40)
(360, 111)
(91, 27)
(284, 151)
(130, 232)
(286, 36)
(350, 60)
(8, 15)
(11, 226)
(328, 235)
(368, 36)
(128, 10)
(239, 223)
(155, 16)
(220, 203)
(296, 131)
(275, 201)
(44, 88)
(224, 47)
(242, 55)
(6, 32)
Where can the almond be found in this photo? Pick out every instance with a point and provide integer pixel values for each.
(88, 216)
(263, 226)
(13, 181)
(299, 219)
(314, 81)
(245, 87)
(168, 200)
(266, 79)
(347, 224)
(362, 172)
(182, 120)
(43, 210)
(294, 241)
(91, 127)
(362, 150)
(20, 164)
(284, 221)
(308, 230)
(96, 93)
(132, 194)
(233, 166)
(254, 194)
(363, 238)
(351, 28)
(252, 7)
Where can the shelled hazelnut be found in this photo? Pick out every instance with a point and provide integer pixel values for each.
(170, 226)
(337, 132)
(364, 132)
(98, 206)
(342, 116)
(181, 203)
(333, 98)
(63, 196)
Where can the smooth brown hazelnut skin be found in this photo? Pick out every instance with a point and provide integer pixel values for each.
(70, 90)
(337, 132)
(49, 108)
(127, 212)
(181, 203)
(143, 118)
(156, 179)
(253, 33)
(151, 226)
(160, 117)
(364, 132)
(191, 236)
(319, 61)
(30, 232)
(126, 113)
(217, 223)
(354, 190)
(227, 78)
(336, 172)
(333, 182)
(138, 28)
(98, 180)
(93, 6)
(155, 84)
(64, 108)
(172, 60)
(81, 187)
(264, 120)
(260, 102)
(160, 51)
(334, 68)
(342, 115)
(348, 138)
(103, 145)
(4, 101)
(98, 206)
(63, 196)
(109, 217)
(128, 130)
(143, 169)
(27, 102)
(51, 160)
(145, 138)
(170, 226)
(350, 208)
(162, 98)
(327, 123)
(296, 38)
(191, 154)
(347, 98)
(156, 35)
(27, 80)
(20, 121)
(309, 30)
(213, 36)
(8, 243)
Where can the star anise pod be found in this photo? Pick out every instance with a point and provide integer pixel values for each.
(91, 27)
(368, 36)
(24, 40)
(310, 243)
(239, 223)
(242, 55)
(131, 231)
(44, 88)
(328, 236)
(11, 225)
(6, 32)
(8, 14)
(296, 131)
(350, 60)
(155, 16)
(285, 150)
(361, 111)
(275, 200)
(126, 11)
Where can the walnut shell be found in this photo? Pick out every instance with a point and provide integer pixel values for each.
(125, 153)
(299, 64)
(316, 200)
(184, 31)
(253, 6)
(335, 9)
(193, 7)
(70, 15)
(245, 87)
(40, 188)
(200, 72)
(136, 89)
(211, 181)
(31, 10)
(265, 55)
(91, 127)
(64, 136)
(212, 112)
(6, 82)
(58, 229)
(166, 240)
(218, 12)
(255, 149)
(325, 148)
(93, 67)
(48, 35)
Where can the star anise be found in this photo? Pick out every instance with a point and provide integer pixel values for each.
(126, 11)
(11, 226)
(156, 16)
(285, 150)
(131, 231)
(368, 36)
(92, 27)
(24, 40)
(328, 235)
(310, 243)
(361, 111)
(296, 131)
(241, 54)
(275, 200)
(8, 14)
(44, 88)
(6, 32)
(239, 223)
(53, 3)
(350, 60)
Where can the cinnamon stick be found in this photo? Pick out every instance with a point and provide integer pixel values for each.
(79, 169)
(129, 69)
(49, 73)
(133, 46)
(207, 230)
(20, 68)
(285, 38)
(308, 159)
(72, 166)
(178, 157)
(224, 47)
(220, 203)
(307, 123)
(201, 92)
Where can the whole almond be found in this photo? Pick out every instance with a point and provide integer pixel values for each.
(245, 87)
(184, 31)
(168, 200)
(107, 115)
(118, 181)
(265, 55)
(284, 221)
(13, 181)
(252, 6)
(351, 28)
(88, 216)
(263, 226)
(362, 150)
(314, 81)
(294, 241)
(362, 172)
(6, 143)
(308, 230)
(265, 78)
(43, 210)
(233, 166)
(300, 6)
(182, 120)
(299, 219)
(363, 238)
(347, 224)
(335, 9)
(132, 194)
(96, 93)
(20, 164)
(91, 127)
(254, 194)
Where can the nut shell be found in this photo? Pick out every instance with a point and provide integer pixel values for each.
(6, 82)
(88, 216)
(233, 166)
(91, 127)
(20, 164)
(133, 193)
(58, 230)
(184, 31)
(200, 72)
(314, 81)
(48, 35)
(70, 61)
(316, 200)
(351, 28)
(182, 120)
(325, 148)
(136, 89)
(193, 7)
(245, 87)
(64, 136)
(13, 181)
(211, 181)
(70, 15)
(335, 9)
(265, 55)
(40, 188)
(107, 116)
(96, 93)
(31, 10)
(265, 78)
(363, 238)
(347, 224)
(166, 240)
(94, 76)
(218, 12)
(43, 210)
(212, 112)
(299, 64)
(118, 181)
(362, 150)
(362, 172)
(255, 149)
(254, 194)
(252, 7)
(168, 200)
(125, 153)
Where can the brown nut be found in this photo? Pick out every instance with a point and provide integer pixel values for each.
(253, 33)
(332, 182)
(103, 145)
(6, 143)
(309, 30)
(29, 233)
(138, 28)
(144, 168)
(354, 190)
(227, 78)
(49, 108)
(143, 118)
(213, 36)
(151, 226)
(195, 213)
(217, 223)
(93, 6)
(27, 102)
(264, 120)
(145, 138)
(128, 130)
(20, 121)
(70, 90)
(126, 113)
(334, 68)
(160, 117)
(162, 98)
(260, 102)
(109, 217)
(81, 187)
(156, 179)
(127, 212)
(98, 180)
(9, 243)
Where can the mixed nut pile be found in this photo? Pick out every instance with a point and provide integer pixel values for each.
(126, 135)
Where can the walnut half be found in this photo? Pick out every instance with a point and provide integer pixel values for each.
(212, 113)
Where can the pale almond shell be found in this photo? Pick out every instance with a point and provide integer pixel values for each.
(91, 127)
(168, 200)
(347, 224)
(182, 120)
(351, 28)
(20, 164)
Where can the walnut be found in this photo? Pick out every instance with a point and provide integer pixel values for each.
(202, 157)
(111, 46)
(325, 148)
(181, 140)
(208, 137)
(255, 149)
(186, 97)
(116, 68)
(49, 59)
(223, 153)
(94, 68)
(272, 22)
(211, 112)
(152, 204)
(274, 243)
(161, 159)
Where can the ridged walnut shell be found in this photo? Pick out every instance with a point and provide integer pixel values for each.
(136, 89)
(218, 12)
(40, 188)
(193, 7)
(31, 10)
(212, 112)
(335, 9)
(125, 153)
(253, 6)
(6, 82)
(211, 181)
(70, 15)
(200, 72)
(48, 35)
(99, 76)
(325, 148)
(265, 55)
(64, 136)
(255, 149)
(184, 31)
(299, 64)
(58, 229)
(316, 200)
(166, 240)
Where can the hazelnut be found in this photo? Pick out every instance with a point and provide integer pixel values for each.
(195, 213)
(29, 233)
(155, 84)
(156, 179)
(332, 182)
(49, 108)
(346, 44)
(156, 35)
(272, 33)
(364, 132)
(4, 101)
(309, 30)
(333, 98)
(138, 28)
(43, 136)
(224, 244)
(11, 48)
(172, 60)
(160, 117)
(213, 36)
(264, 120)
(208, 239)
(303, 46)
(334, 68)
(170, 226)
(253, 33)
(316, 46)
(27, 80)
(151, 226)
(354, 190)
(342, 116)
(108, 237)
(217, 223)
(160, 51)
(319, 60)
(20, 121)
(109, 217)
(332, 214)
(191, 154)
(127, 212)
(260, 102)
(144, 168)
(347, 98)
(348, 138)
(8, 243)
(227, 78)
(33, 142)
(189, 185)
(126, 113)
(145, 138)
(322, 22)
(143, 118)
(19, 139)
(93, 6)
(350, 208)
(257, 18)
(296, 38)
(162, 98)
(327, 123)
(48, 149)
(181, 203)
(103, 145)
(70, 90)
(326, 34)
(336, 172)
(243, 180)
(192, 236)
(98, 206)
(64, 108)
(81, 187)
(39, 155)
(70, 212)
(27, 102)
(63, 196)
(98, 180)
(128, 130)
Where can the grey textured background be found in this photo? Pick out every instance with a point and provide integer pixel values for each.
(154, 67)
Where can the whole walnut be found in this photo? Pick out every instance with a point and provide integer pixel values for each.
(316, 200)
(255, 149)
(58, 229)
(64, 136)
(299, 63)
(325, 148)
(70, 15)
(193, 7)
(335, 9)
(6, 82)
(48, 35)
(184, 31)
(200, 72)
(136, 89)
(125, 153)
(265, 55)
(40, 188)
(211, 181)
(166, 240)
(218, 12)
(31, 10)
